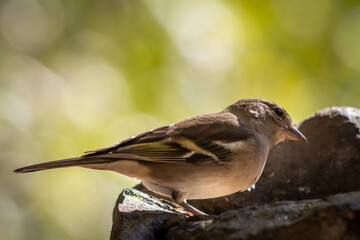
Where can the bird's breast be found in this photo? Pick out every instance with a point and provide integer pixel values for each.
(201, 181)
(237, 177)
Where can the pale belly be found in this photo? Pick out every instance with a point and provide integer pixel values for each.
(198, 182)
(195, 181)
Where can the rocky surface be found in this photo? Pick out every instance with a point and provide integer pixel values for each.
(140, 216)
(296, 173)
(337, 217)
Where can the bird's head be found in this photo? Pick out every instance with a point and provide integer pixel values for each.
(267, 118)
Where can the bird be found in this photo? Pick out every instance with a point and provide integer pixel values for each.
(206, 156)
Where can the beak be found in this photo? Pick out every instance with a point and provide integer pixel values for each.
(291, 133)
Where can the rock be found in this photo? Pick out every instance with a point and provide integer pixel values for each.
(336, 217)
(296, 173)
(140, 216)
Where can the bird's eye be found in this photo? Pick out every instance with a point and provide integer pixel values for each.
(278, 112)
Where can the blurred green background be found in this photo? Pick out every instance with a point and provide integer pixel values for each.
(78, 75)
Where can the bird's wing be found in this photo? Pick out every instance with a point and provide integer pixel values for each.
(202, 139)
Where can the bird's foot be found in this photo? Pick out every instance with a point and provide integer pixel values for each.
(191, 210)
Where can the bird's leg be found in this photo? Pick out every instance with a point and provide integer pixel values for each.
(191, 209)
(178, 197)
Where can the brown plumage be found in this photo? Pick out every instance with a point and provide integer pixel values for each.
(206, 156)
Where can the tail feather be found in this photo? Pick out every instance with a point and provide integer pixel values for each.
(69, 162)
